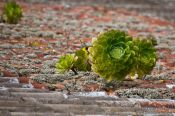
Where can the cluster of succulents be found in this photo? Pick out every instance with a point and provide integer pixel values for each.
(75, 62)
(113, 55)
(12, 12)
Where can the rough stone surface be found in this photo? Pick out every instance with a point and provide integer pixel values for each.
(30, 85)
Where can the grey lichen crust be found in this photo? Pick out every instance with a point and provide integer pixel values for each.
(160, 93)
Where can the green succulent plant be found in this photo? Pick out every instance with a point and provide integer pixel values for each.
(12, 12)
(145, 57)
(82, 63)
(66, 63)
(75, 62)
(112, 55)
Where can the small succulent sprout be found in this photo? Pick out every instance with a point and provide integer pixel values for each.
(12, 12)
(111, 55)
(145, 57)
(82, 62)
(75, 62)
(66, 63)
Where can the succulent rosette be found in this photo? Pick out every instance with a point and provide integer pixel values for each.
(145, 57)
(65, 63)
(111, 54)
(12, 12)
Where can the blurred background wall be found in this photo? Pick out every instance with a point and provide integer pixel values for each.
(157, 8)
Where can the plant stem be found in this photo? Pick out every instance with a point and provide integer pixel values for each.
(75, 72)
